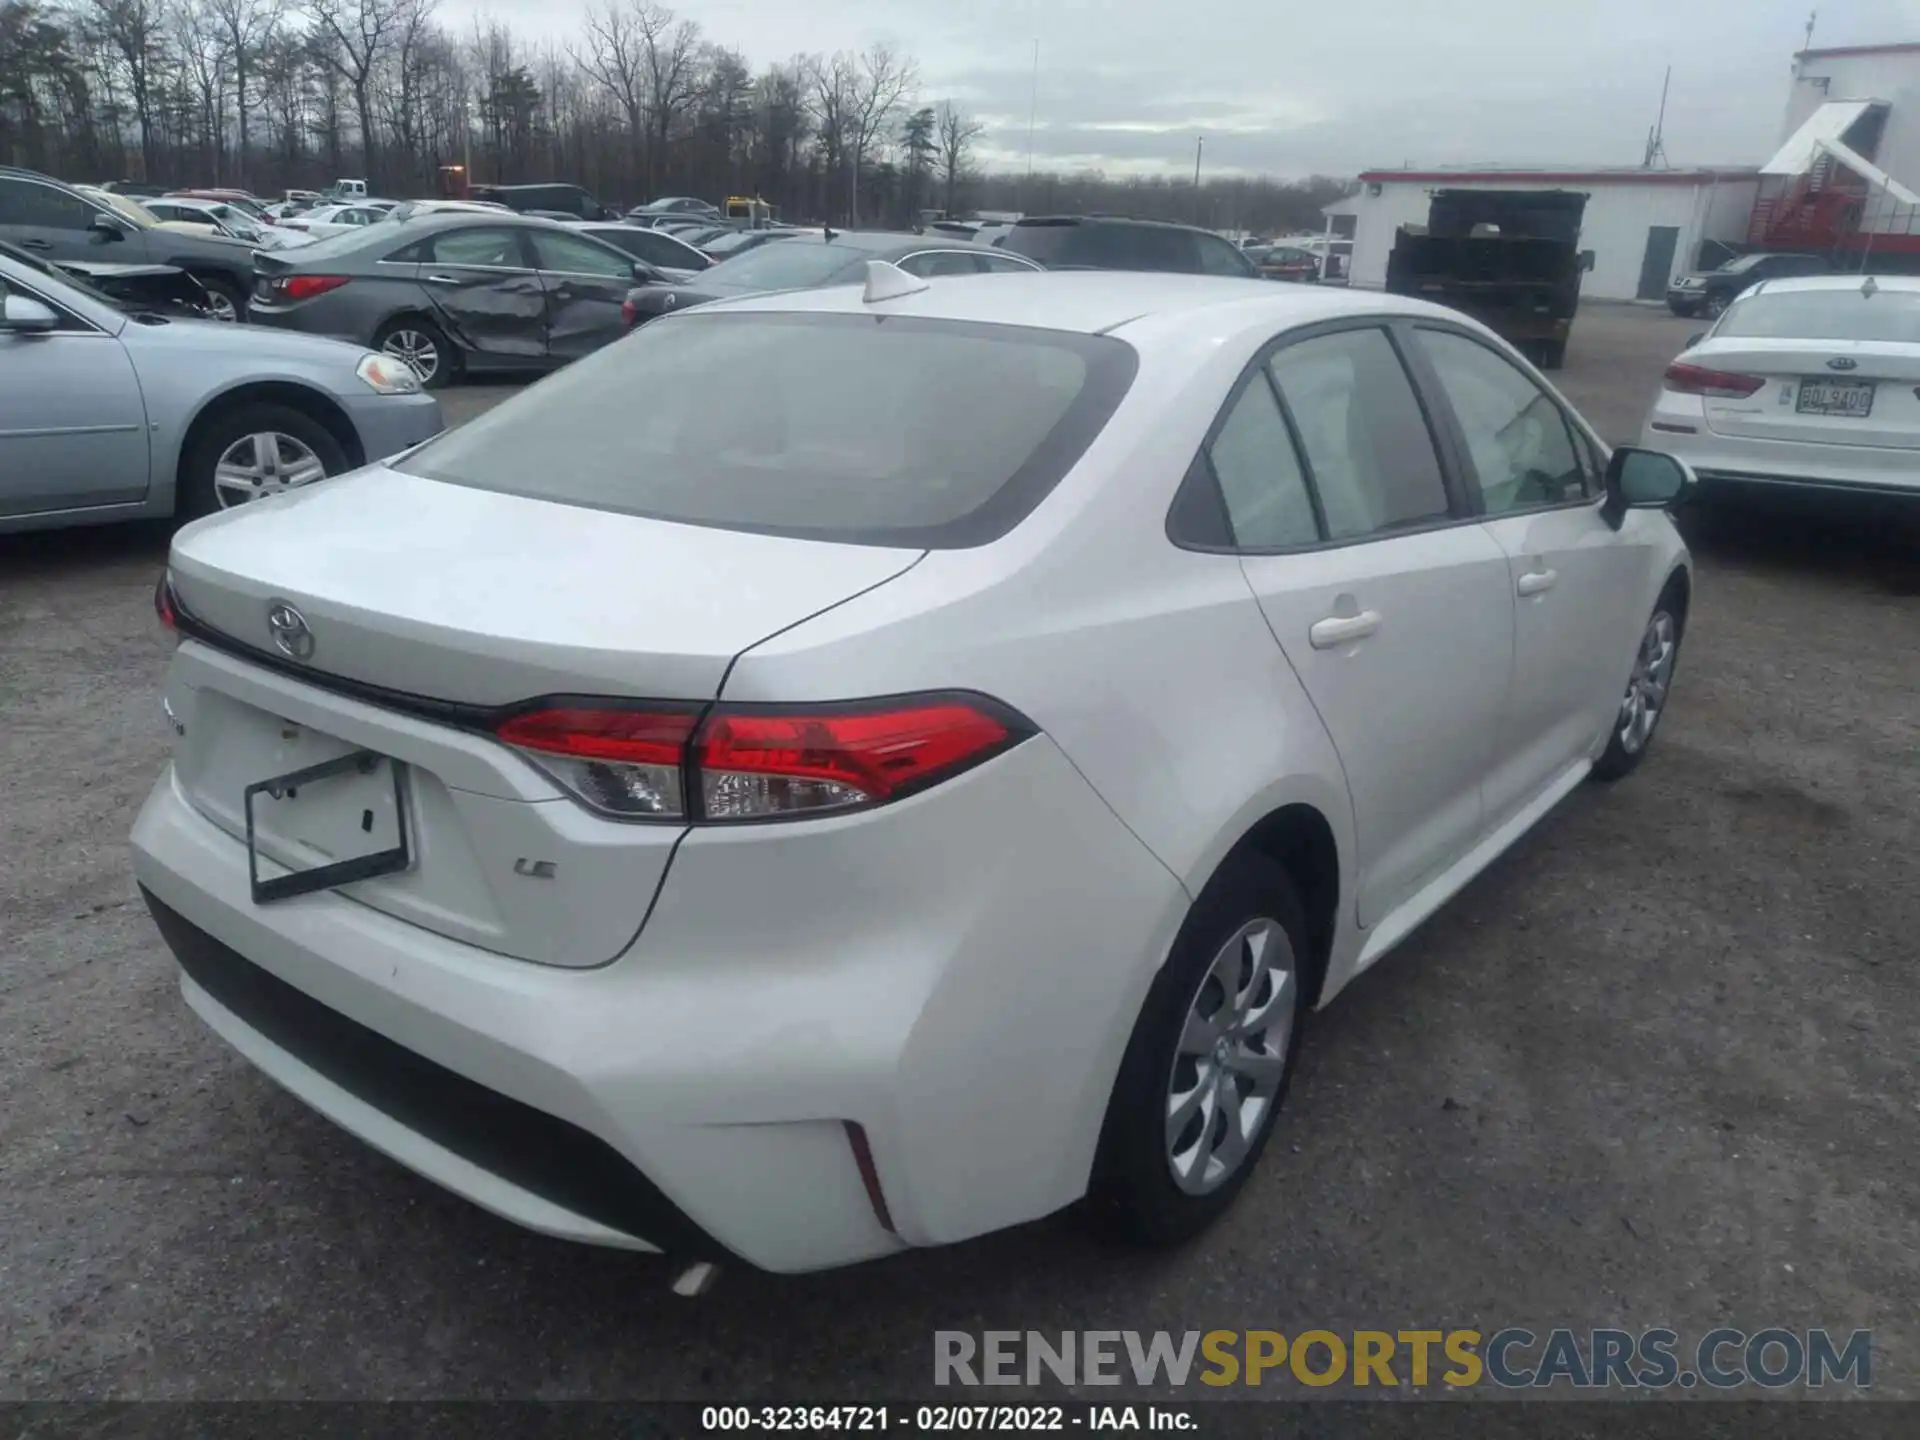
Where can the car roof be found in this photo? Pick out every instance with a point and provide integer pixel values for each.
(1026, 221)
(1096, 302)
(1790, 284)
(883, 240)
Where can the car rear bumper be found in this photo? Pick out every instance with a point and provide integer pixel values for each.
(1730, 464)
(956, 975)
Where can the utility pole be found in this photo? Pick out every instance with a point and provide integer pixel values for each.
(1033, 106)
(1656, 137)
(1199, 144)
(1808, 43)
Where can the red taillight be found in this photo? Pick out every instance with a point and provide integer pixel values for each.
(625, 763)
(755, 764)
(305, 287)
(163, 604)
(760, 763)
(628, 314)
(1698, 380)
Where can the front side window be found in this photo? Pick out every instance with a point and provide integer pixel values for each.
(1367, 444)
(27, 202)
(1521, 451)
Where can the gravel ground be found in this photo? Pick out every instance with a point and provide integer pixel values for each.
(1654, 1068)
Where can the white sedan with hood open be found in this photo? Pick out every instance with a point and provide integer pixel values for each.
(917, 771)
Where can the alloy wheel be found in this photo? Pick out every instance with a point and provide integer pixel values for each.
(417, 350)
(1647, 687)
(263, 464)
(220, 307)
(1231, 1058)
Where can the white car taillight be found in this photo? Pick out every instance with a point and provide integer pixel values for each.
(743, 763)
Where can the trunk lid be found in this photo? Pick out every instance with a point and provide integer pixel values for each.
(1794, 369)
(482, 598)
(479, 599)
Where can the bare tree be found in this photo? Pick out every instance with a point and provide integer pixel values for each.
(359, 33)
(198, 40)
(957, 132)
(881, 80)
(616, 57)
(830, 82)
(245, 26)
(672, 58)
(134, 34)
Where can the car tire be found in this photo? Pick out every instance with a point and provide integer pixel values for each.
(1717, 305)
(229, 306)
(1631, 730)
(300, 444)
(411, 339)
(1154, 1184)
(1553, 355)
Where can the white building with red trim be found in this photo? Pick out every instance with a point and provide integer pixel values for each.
(1844, 182)
(1643, 226)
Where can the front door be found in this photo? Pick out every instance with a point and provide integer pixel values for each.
(586, 284)
(1656, 265)
(73, 427)
(1536, 478)
(487, 293)
(1397, 617)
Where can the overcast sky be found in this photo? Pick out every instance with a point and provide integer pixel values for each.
(1295, 87)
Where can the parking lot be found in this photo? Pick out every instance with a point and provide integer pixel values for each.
(1655, 1067)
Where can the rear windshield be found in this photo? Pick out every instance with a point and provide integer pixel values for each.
(785, 265)
(1825, 315)
(862, 429)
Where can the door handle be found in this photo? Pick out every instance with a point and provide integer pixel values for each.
(1339, 629)
(1537, 582)
(442, 279)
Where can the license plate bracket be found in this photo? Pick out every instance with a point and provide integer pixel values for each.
(387, 861)
(1845, 399)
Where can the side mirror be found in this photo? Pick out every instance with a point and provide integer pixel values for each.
(24, 315)
(1644, 480)
(1695, 338)
(1586, 261)
(645, 274)
(107, 228)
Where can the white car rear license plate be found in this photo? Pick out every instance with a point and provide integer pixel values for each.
(345, 810)
(1852, 399)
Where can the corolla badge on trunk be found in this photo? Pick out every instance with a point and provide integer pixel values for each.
(1841, 362)
(291, 635)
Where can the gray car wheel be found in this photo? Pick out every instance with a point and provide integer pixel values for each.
(420, 345)
(253, 451)
(223, 302)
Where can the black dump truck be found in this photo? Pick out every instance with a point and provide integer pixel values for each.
(1509, 258)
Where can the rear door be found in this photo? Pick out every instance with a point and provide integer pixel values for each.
(1536, 481)
(1392, 605)
(73, 425)
(586, 282)
(483, 285)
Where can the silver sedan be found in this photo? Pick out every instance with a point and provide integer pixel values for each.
(110, 413)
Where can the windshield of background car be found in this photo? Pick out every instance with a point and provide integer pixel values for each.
(1824, 315)
(784, 265)
(854, 428)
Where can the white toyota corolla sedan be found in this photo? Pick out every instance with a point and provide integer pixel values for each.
(853, 769)
(1810, 385)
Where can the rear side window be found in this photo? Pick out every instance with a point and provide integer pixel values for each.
(1261, 483)
(1366, 441)
(855, 428)
(496, 249)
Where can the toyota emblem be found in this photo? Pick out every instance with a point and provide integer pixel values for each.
(291, 636)
(1841, 362)
(671, 300)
